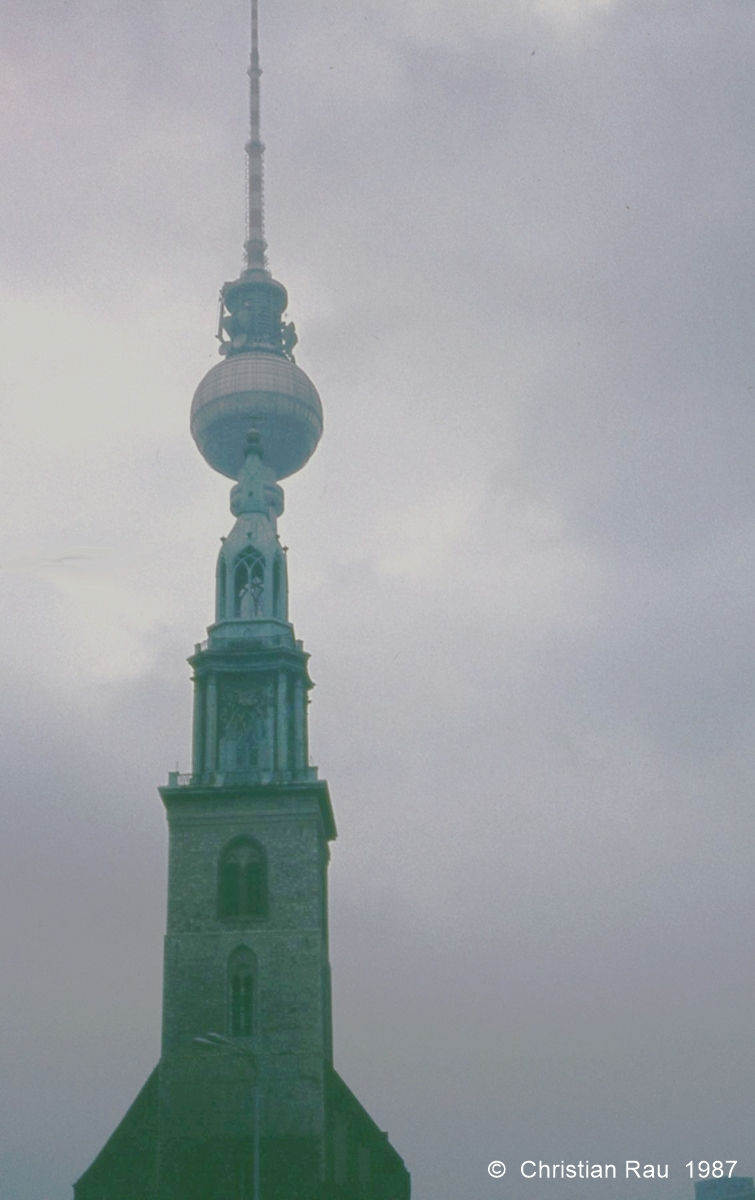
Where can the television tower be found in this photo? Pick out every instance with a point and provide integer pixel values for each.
(245, 1103)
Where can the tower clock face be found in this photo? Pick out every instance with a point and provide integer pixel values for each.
(246, 711)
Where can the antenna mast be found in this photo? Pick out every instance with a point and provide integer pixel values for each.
(255, 245)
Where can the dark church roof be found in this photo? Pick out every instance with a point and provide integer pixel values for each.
(363, 1161)
(125, 1166)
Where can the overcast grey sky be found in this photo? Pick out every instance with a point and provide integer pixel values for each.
(517, 239)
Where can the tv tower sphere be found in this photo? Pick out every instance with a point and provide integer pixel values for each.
(258, 389)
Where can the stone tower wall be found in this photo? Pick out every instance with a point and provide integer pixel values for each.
(290, 1038)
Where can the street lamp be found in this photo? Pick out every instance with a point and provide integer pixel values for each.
(223, 1043)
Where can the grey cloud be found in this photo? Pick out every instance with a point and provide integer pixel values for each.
(523, 286)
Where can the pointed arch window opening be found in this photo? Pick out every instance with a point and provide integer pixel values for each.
(248, 584)
(221, 587)
(242, 972)
(247, 755)
(276, 585)
(242, 881)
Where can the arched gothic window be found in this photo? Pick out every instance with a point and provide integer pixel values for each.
(248, 583)
(241, 975)
(276, 585)
(242, 880)
(220, 576)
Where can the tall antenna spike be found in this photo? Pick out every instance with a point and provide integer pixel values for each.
(255, 245)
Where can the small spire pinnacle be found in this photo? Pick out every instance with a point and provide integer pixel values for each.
(255, 245)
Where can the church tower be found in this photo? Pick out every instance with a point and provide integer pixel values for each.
(245, 1103)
